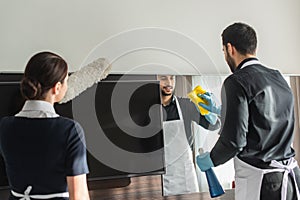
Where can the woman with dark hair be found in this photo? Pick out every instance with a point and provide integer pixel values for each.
(45, 154)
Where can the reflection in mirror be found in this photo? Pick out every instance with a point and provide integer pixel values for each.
(179, 113)
(206, 139)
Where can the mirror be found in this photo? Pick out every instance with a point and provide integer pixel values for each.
(195, 136)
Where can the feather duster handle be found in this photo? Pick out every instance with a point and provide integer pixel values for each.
(86, 77)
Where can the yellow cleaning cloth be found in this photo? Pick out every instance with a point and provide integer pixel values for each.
(193, 95)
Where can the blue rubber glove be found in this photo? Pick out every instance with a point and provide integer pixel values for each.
(212, 107)
(211, 118)
(204, 161)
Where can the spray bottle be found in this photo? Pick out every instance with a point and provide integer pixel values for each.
(215, 188)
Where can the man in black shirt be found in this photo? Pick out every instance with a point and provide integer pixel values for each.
(178, 114)
(257, 123)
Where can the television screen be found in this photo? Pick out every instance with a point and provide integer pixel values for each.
(10, 103)
(122, 123)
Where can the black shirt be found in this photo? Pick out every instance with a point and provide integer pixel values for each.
(257, 117)
(170, 111)
(190, 113)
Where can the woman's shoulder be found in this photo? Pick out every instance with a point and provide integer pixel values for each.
(68, 122)
(6, 120)
(61, 123)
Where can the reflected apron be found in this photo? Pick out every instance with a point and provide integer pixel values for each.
(248, 178)
(180, 177)
(27, 196)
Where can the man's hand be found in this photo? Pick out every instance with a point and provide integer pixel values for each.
(204, 161)
(211, 118)
(212, 107)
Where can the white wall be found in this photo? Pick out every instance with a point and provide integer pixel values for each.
(74, 28)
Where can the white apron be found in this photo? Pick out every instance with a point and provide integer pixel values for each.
(248, 178)
(180, 177)
(27, 196)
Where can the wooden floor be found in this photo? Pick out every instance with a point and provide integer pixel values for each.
(137, 188)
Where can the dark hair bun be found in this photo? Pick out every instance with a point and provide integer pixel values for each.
(30, 88)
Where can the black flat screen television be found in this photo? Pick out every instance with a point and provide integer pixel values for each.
(122, 121)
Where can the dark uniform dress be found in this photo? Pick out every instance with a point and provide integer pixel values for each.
(257, 123)
(41, 150)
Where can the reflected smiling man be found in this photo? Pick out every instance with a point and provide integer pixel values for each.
(178, 114)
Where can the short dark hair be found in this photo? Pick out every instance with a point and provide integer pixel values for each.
(241, 36)
(42, 72)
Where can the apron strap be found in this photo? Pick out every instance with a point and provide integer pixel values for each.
(27, 196)
(288, 169)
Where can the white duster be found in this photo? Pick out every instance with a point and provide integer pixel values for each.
(86, 77)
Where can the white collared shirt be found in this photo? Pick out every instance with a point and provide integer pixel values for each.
(251, 62)
(37, 109)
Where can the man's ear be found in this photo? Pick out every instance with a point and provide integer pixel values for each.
(230, 49)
